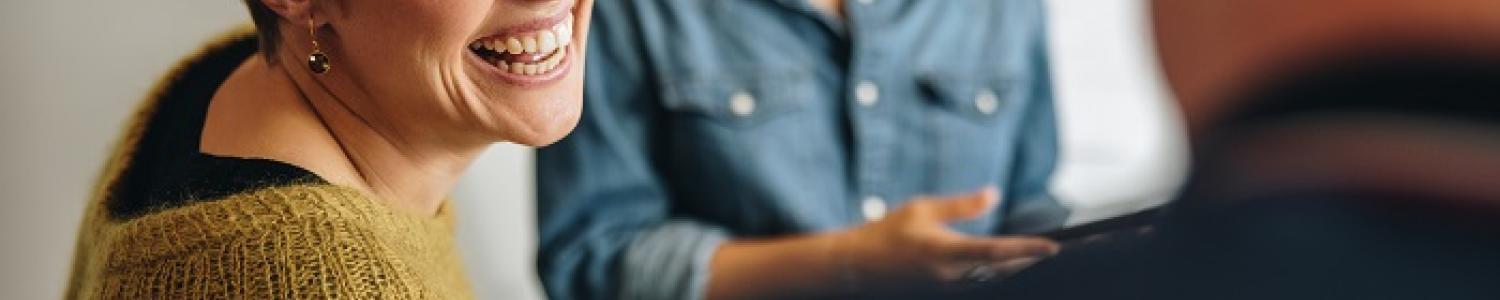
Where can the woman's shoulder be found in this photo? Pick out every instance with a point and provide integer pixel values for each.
(292, 215)
(300, 241)
(316, 211)
(168, 221)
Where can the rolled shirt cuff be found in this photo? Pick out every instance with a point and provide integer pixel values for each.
(670, 261)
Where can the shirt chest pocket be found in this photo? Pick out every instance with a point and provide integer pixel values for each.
(983, 99)
(972, 124)
(743, 139)
(739, 99)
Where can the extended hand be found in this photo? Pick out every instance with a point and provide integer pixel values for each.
(913, 248)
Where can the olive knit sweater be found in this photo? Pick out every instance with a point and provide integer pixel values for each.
(167, 222)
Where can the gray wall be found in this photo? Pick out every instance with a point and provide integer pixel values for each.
(70, 71)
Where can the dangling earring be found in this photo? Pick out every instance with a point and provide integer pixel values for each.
(317, 61)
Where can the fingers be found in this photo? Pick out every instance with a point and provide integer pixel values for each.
(980, 272)
(999, 249)
(1009, 267)
(963, 207)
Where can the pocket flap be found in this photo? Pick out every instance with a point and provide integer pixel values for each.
(742, 98)
(980, 97)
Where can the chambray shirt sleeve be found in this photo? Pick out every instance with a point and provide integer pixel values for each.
(604, 217)
(1030, 206)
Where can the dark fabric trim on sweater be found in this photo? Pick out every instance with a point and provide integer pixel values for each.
(166, 169)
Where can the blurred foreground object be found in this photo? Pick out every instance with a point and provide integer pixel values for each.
(1314, 195)
(1343, 149)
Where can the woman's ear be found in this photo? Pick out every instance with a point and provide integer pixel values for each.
(294, 11)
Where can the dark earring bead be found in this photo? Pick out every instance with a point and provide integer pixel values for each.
(318, 62)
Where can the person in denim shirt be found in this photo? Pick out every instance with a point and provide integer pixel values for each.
(793, 148)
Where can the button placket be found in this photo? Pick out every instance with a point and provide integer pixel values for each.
(867, 95)
(872, 130)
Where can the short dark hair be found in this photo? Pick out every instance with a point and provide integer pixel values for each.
(267, 28)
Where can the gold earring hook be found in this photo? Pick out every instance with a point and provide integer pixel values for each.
(317, 61)
(312, 31)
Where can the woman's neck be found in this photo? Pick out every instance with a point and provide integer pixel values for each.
(286, 115)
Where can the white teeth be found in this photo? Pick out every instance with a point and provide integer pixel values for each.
(541, 42)
(513, 46)
(534, 68)
(530, 43)
(551, 43)
(552, 62)
(564, 34)
(546, 43)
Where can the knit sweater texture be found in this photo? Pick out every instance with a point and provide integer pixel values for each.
(294, 241)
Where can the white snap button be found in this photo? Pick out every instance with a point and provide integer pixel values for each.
(986, 102)
(742, 104)
(873, 208)
(867, 93)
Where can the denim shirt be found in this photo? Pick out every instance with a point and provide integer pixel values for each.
(710, 120)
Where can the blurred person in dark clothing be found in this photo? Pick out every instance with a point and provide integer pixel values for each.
(1343, 150)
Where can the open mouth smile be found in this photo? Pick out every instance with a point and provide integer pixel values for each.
(533, 56)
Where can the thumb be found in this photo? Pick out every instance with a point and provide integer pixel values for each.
(966, 206)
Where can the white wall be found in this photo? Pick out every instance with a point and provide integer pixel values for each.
(497, 224)
(1123, 148)
(70, 71)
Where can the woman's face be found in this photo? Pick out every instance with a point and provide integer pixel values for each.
(459, 70)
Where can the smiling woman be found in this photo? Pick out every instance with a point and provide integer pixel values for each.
(255, 173)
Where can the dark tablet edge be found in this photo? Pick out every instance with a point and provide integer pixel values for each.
(1133, 220)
